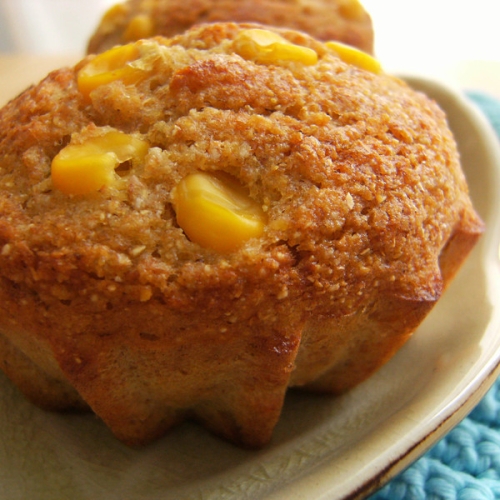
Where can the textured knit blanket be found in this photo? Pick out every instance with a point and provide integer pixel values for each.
(465, 464)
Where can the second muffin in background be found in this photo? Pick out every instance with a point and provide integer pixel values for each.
(342, 20)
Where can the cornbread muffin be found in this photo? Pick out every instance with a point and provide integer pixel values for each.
(342, 20)
(190, 226)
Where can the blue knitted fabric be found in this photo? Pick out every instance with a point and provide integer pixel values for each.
(465, 464)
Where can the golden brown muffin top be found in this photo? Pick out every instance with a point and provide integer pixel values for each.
(357, 174)
(342, 20)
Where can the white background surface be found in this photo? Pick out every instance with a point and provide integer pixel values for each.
(454, 41)
(433, 33)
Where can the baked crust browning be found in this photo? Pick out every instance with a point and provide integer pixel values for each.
(342, 20)
(104, 300)
(337, 354)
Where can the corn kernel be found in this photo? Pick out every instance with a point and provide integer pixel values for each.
(216, 212)
(114, 13)
(145, 294)
(356, 57)
(114, 64)
(141, 26)
(267, 47)
(87, 167)
(352, 9)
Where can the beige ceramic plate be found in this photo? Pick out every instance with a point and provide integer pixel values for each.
(324, 448)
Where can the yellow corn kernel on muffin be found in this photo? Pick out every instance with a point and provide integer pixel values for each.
(344, 20)
(190, 226)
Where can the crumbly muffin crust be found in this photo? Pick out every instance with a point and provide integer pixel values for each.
(111, 305)
(343, 20)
